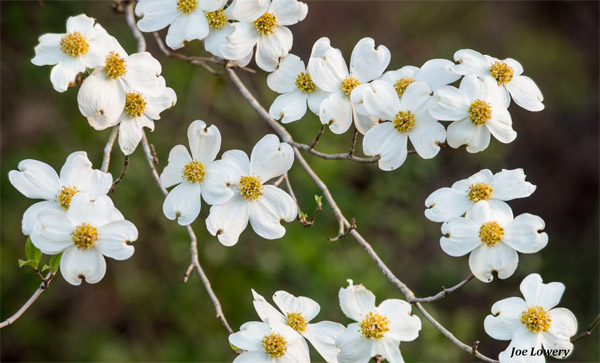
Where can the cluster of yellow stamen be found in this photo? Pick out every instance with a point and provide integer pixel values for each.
(502, 72)
(134, 104)
(305, 83)
(194, 172)
(536, 319)
(404, 121)
(250, 187)
(74, 44)
(349, 84)
(85, 236)
(216, 19)
(186, 6)
(374, 326)
(491, 233)
(402, 84)
(115, 66)
(296, 321)
(480, 112)
(266, 24)
(479, 191)
(65, 195)
(274, 345)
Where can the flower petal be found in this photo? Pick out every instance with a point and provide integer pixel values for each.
(247, 11)
(322, 336)
(187, 27)
(130, 133)
(505, 320)
(173, 172)
(77, 171)
(156, 105)
(562, 328)
(48, 52)
(416, 97)
(381, 100)
(253, 356)
(240, 42)
(271, 158)
(155, 14)
(183, 203)
(327, 66)
(289, 107)
(270, 49)
(511, 184)
(368, 62)
(356, 301)
(77, 265)
(143, 74)
(336, 111)
(96, 212)
(364, 123)
(31, 214)
(461, 236)
(388, 348)
(524, 233)
(390, 144)
(315, 98)
(64, 73)
(500, 258)
(283, 79)
(437, 73)
(449, 104)
(250, 335)
(288, 12)
(269, 210)
(101, 100)
(35, 180)
(205, 143)
(526, 93)
(52, 233)
(266, 311)
(446, 203)
(427, 135)
(523, 340)
(463, 132)
(500, 125)
(227, 221)
(288, 303)
(403, 326)
(240, 160)
(354, 347)
(470, 61)
(537, 293)
(114, 239)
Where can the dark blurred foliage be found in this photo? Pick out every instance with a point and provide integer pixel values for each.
(142, 312)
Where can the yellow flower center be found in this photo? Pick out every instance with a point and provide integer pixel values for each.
(134, 104)
(479, 191)
(266, 24)
(491, 233)
(250, 187)
(502, 72)
(374, 326)
(216, 19)
(480, 112)
(349, 84)
(115, 66)
(74, 44)
(305, 83)
(194, 172)
(274, 345)
(65, 195)
(296, 321)
(85, 236)
(536, 319)
(186, 6)
(402, 84)
(404, 121)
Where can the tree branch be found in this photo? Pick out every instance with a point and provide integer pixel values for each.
(108, 149)
(43, 286)
(588, 331)
(442, 294)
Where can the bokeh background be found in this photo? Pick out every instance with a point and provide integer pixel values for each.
(142, 312)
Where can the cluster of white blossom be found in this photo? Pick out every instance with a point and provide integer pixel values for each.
(378, 330)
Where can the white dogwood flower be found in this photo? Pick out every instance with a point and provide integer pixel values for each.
(188, 19)
(330, 73)
(533, 323)
(508, 75)
(84, 233)
(265, 206)
(102, 96)
(268, 343)
(477, 110)
(296, 87)
(140, 111)
(220, 31)
(297, 314)
(378, 329)
(493, 237)
(37, 180)
(85, 45)
(408, 118)
(262, 23)
(496, 189)
(195, 175)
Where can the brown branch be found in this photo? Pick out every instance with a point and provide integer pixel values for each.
(43, 286)
(442, 294)
(123, 172)
(354, 138)
(588, 331)
(316, 140)
(342, 156)
(108, 149)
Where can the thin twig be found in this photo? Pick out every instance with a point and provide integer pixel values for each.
(341, 156)
(316, 140)
(588, 331)
(442, 294)
(108, 149)
(279, 180)
(354, 138)
(199, 61)
(286, 137)
(344, 232)
(43, 286)
(123, 172)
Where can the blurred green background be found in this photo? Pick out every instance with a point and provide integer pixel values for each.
(142, 312)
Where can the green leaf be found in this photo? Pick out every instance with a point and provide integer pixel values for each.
(31, 252)
(319, 200)
(302, 215)
(55, 262)
(30, 263)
